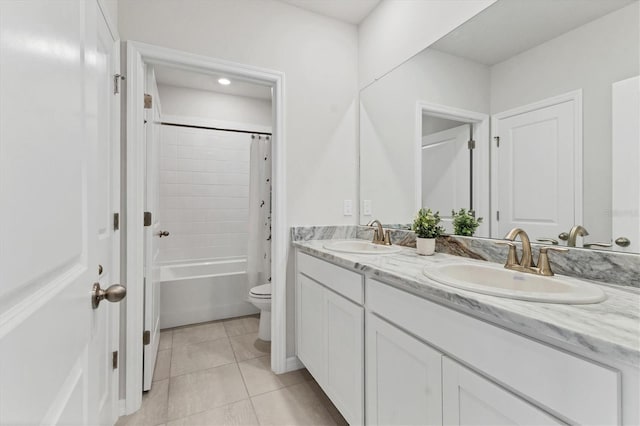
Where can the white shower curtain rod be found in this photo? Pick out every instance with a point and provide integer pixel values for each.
(215, 128)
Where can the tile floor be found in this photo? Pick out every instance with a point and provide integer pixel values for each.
(219, 373)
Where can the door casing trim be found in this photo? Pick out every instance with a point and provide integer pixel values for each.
(151, 54)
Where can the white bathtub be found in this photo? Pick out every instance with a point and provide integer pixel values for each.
(202, 291)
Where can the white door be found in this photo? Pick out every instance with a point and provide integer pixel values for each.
(470, 399)
(51, 210)
(626, 157)
(446, 172)
(345, 355)
(403, 377)
(104, 352)
(151, 232)
(537, 170)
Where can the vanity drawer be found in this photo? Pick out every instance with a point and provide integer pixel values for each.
(573, 388)
(344, 282)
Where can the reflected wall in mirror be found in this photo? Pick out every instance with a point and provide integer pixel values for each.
(527, 114)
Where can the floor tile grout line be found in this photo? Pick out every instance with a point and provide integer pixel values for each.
(211, 409)
(207, 368)
(246, 388)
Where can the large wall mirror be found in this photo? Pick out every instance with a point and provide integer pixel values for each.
(528, 114)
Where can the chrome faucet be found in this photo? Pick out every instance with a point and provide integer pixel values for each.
(526, 264)
(379, 235)
(576, 231)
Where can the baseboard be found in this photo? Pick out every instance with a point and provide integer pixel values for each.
(292, 364)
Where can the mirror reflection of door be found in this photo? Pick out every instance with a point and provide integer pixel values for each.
(446, 183)
(536, 181)
(625, 156)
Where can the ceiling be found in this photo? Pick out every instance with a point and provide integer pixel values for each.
(350, 11)
(209, 82)
(509, 27)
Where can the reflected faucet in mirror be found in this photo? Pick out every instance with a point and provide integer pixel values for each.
(526, 264)
(576, 231)
(580, 231)
(379, 234)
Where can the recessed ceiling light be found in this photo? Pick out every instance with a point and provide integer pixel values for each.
(224, 81)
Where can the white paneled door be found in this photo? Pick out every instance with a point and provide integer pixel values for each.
(625, 159)
(152, 130)
(58, 190)
(446, 172)
(536, 166)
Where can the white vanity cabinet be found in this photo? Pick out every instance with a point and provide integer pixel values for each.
(511, 379)
(330, 332)
(400, 359)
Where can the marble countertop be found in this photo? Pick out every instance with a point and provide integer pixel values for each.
(610, 330)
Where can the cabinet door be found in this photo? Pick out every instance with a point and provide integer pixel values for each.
(345, 356)
(311, 333)
(403, 377)
(470, 399)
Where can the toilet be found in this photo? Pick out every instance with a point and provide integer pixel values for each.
(260, 297)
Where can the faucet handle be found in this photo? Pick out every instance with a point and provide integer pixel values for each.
(387, 238)
(544, 266)
(512, 257)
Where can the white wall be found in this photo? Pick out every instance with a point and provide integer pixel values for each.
(396, 30)
(213, 106)
(110, 8)
(319, 58)
(591, 58)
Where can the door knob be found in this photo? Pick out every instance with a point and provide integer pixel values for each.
(163, 234)
(113, 293)
(623, 242)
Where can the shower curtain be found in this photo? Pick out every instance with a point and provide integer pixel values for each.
(259, 250)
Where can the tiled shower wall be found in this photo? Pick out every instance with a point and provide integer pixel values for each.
(204, 193)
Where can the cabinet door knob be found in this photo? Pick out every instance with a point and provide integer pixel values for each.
(163, 234)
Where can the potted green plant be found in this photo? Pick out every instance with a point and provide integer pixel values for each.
(426, 227)
(464, 223)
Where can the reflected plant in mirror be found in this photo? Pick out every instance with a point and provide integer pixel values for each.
(465, 223)
(531, 123)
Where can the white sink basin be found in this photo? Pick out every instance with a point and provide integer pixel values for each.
(359, 247)
(501, 282)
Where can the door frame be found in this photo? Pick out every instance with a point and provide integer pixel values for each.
(480, 123)
(576, 97)
(135, 157)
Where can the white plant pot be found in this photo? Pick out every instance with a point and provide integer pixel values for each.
(426, 246)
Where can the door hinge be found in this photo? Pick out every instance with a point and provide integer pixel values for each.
(471, 144)
(116, 221)
(498, 215)
(146, 337)
(497, 139)
(148, 219)
(116, 83)
(148, 101)
(114, 359)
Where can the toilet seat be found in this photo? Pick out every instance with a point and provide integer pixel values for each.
(261, 291)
